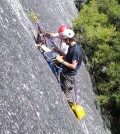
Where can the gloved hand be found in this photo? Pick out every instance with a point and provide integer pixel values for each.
(59, 58)
(47, 35)
(56, 49)
(39, 46)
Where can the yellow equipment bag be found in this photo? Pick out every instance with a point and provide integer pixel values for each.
(79, 111)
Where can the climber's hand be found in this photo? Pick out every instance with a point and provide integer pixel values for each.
(47, 35)
(59, 58)
(56, 49)
(39, 46)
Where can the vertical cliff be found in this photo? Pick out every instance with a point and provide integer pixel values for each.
(31, 100)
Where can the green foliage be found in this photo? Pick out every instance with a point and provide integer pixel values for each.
(112, 9)
(104, 99)
(113, 70)
(116, 96)
(100, 38)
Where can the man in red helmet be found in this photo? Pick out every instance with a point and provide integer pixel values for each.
(63, 47)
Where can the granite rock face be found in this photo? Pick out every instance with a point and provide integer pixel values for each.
(31, 100)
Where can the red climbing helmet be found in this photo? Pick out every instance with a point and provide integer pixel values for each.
(62, 28)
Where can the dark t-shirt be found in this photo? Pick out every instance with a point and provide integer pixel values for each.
(74, 53)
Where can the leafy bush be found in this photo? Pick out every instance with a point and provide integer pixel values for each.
(100, 38)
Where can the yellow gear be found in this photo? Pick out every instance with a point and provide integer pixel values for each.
(79, 111)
